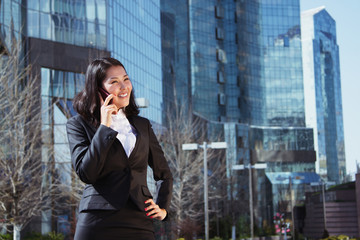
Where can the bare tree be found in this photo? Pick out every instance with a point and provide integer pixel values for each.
(21, 170)
(66, 193)
(187, 204)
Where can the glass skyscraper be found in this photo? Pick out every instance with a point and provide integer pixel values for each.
(282, 64)
(246, 72)
(323, 91)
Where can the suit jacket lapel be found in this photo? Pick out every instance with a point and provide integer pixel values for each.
(133, 123)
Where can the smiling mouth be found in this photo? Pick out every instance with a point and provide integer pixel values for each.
(123, 95)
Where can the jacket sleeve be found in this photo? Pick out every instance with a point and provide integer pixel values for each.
(161, 171)
(88, 155)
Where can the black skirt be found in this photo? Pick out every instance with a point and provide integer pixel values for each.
(126, 223)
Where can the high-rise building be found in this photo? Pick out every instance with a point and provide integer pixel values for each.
(323, 91)
(246, 72)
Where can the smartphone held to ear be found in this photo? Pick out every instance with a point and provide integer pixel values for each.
(104, 94)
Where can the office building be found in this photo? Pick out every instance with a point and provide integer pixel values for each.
(322, 88)
(246, 73)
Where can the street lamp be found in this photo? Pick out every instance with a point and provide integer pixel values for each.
(249, 166)
(205, 146)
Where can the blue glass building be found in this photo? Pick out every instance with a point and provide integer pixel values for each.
(323, 91)
(281, 71)
(208, 58)
(246, 72)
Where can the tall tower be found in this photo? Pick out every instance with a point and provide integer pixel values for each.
(246, 73)
(323, 91)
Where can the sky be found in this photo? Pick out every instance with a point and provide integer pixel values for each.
(346, 13)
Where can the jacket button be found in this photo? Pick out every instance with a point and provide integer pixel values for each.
(109, 137)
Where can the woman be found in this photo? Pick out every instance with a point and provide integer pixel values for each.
(111, 147)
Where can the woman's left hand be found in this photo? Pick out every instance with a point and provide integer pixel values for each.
(154, 211)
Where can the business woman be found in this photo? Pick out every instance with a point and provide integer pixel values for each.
(111, 147)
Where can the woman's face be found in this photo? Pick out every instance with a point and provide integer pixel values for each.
(118, 83)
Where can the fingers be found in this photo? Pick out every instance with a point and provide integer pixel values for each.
(108, 99)
(107, 110)
(154, 211)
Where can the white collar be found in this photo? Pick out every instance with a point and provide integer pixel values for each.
(120, 114)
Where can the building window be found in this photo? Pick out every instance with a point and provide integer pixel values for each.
(286, 41)
(222, 99)
(220, 34)
(221, 55)
(219, 12)
(222, 118)
(220, 77)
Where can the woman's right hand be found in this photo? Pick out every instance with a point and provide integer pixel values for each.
(107, 110)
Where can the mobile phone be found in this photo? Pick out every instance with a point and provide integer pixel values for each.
(104, 94)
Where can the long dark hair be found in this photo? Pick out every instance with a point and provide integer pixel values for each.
(87, 102)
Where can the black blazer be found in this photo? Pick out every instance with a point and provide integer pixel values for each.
(100, 160)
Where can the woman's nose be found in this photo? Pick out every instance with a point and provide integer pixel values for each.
(122, 85)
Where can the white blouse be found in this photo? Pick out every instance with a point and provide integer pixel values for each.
(126, 132)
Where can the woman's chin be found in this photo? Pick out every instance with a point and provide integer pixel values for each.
(122, 106)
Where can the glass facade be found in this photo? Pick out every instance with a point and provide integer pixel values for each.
(175, 52)
(282, 63)
(134, 37)
(208, 59)
(278, 138)
(11, 22)
(243, 44)
(81, 23)
(322, 86)
(248, 53)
